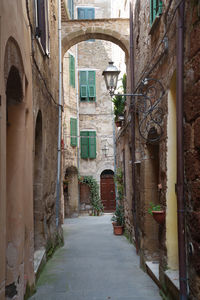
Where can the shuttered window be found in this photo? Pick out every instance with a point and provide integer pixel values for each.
(88, 144)
(71, 8)
(155, 9)
(42, 24)
(87, 80)
(71, 70)
(73, 131)
(86, 13)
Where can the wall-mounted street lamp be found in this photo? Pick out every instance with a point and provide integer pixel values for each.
(150, 93)
(105, 150)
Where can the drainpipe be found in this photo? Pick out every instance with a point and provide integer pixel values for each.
(78, 124)
(59, 115)
(180, 155)
(133, 126)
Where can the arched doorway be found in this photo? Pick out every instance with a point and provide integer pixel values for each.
(14, 182)
(108, 190)
(38, 206)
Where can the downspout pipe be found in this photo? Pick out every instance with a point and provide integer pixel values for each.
(59, 116)
(132, 105)
(180, 154)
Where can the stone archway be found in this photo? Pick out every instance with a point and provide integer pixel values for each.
(70, 189)
(113, 30)
(15, 144)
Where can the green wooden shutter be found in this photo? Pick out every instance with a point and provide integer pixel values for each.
(92, 144)
(89, 13)
(91, 85)
(72, 70)
(84, 144)
(81, 13)
(73, 131)
(155, 9)
(83, 85)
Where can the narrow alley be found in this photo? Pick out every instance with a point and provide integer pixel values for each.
(94, 264)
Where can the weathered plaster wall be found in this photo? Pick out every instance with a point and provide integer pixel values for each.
(17, 236)
(45, 99)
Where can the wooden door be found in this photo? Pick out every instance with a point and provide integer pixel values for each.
(108, 193)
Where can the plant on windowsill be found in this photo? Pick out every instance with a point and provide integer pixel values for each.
(119, 104)
(157, 212)
(97, 206)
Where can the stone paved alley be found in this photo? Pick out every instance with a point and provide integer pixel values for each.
(94, 265)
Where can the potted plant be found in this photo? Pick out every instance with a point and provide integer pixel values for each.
(118, 220)
(119, 104)
(157, 212)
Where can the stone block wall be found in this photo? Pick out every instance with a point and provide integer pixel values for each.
(191, 145)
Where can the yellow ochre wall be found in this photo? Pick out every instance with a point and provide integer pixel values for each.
(171, 199)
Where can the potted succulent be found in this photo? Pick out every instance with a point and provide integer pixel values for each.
(157, 212)
(118, 220)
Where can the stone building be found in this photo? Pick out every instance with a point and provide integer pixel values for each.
(28, 140)
(88, 114)
(162, 174)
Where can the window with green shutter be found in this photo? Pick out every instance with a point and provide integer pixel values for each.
(73, 131)
(71, 70)
(155, 9)
(88, 144)
(87, 80)
(86, 13)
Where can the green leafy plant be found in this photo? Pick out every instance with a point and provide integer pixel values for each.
(119, 180)
(119, 101)
(97, 206)
(154, 207)
(118, 216)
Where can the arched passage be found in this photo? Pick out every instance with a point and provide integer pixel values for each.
(38, 206)
(70, 189)
(15, 142)
(113, 30)
(108, 190)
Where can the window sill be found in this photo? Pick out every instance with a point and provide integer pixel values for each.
(155, 24)
(45, 53)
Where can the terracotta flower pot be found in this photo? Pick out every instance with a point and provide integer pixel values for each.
(118, 230)
(159, 216)
(118, 123)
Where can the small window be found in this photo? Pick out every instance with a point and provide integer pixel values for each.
(42, 25)
(155, 9)
(72, 70)
(87, 80)
(86, 13)
(88, 144)
(73, 132)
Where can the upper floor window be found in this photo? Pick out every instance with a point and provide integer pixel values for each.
(72, 70)
(71, 8)
(42, 26)
(155, 9)
(88, 144)
(87, 81)
(86, 13)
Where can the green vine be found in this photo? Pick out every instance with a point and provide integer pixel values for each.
(97, 206)
(120, 184)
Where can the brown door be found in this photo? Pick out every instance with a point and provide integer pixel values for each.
(108, 193)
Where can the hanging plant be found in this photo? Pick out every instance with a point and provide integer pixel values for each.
(97, 206)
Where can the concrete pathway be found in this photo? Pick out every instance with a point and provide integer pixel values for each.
(94, 264)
